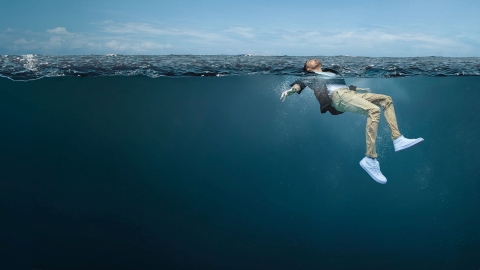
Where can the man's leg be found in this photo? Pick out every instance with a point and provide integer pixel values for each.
(388, 111)
(349, 101)
(399, 142)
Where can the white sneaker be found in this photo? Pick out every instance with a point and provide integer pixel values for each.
(372, 167)
(404, 143)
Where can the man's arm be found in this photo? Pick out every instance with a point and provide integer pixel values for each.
(358, 89)
(363, 90)
(295, 89)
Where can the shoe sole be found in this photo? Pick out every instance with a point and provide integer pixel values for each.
(416, 142)
(373, 177)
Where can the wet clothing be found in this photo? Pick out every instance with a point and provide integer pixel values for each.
(333, 81)
(335, 97)
(320, 83)
(349, 101)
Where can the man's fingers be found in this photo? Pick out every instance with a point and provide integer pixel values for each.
(284, 95)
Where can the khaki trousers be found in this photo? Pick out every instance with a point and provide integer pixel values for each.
(345, 100)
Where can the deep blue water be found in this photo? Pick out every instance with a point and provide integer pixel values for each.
(116, 172)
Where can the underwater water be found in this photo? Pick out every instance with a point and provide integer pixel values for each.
(133, 172)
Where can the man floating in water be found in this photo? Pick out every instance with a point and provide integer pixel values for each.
(336, 97)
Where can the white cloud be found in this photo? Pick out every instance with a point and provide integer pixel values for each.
(137, 47)
(153, 46)
(55, 42)
(139, 29)
(23, 41)
(115, 45)
(10, 29)
(59, 31)
(131, 38)
(25, 44)
(136, 28)
(44, 43)
(245, 32)
(375, 42)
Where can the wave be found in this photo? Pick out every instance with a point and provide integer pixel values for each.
(29, 67)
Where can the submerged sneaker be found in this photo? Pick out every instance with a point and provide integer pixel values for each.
(372, 167)
(404, 143)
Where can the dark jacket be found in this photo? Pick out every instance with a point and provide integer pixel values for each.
(319, 86)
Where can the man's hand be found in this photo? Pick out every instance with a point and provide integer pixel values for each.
(285, 94)
(358, 89)
(363, 90)
(295, 88)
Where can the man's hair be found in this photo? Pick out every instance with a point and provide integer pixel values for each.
(305, 67)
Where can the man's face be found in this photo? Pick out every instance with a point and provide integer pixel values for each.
(312, 64)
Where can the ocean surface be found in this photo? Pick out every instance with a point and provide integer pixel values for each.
(193, 162)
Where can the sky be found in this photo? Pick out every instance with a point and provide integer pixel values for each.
(260, 27)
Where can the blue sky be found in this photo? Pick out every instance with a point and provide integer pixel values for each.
(341, 27)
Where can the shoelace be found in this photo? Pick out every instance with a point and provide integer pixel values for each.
(376, 166)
